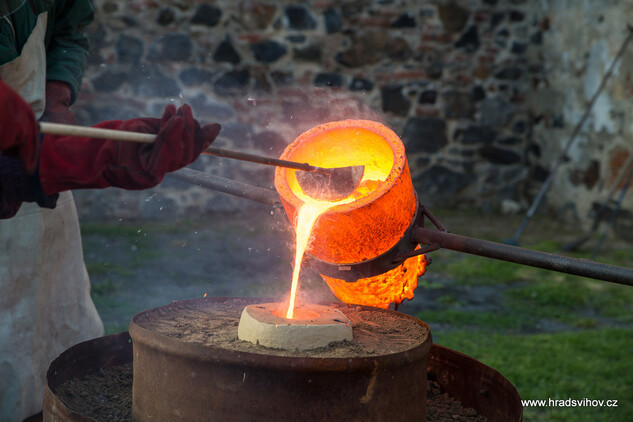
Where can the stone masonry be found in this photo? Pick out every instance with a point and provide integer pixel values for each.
(482, 92)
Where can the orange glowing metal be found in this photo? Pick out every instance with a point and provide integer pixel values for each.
(306, 218)
(380, 291)
(371, 220)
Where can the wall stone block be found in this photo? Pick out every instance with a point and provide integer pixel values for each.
(364, 51)
(299, 18)
(194, 76)
(441, 184)
(129, 49)
(328, 79)
(148, 81)
(497, 155)
(406, 20)
(361, 84)
(494, 111)
(428, 96)
(232, 82)
(213, 110)
(510, 140)
(458, 105)
(255, 15)
(453, 16)
(166, 16)
(476, 135)
(469, 40)
(518, 47)
(226, 52)
(333, 20)
(424, 134)
(206, 14)
(171, 47)
(268, 51)
(309, 53)
(394, 101)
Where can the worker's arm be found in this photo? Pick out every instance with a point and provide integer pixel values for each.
(19, 146)
(80, 163)
(66, 43)
(66, 55)
(18, 129)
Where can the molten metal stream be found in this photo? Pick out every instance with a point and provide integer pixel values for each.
(306, 217)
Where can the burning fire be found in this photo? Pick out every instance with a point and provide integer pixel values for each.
(362, 226)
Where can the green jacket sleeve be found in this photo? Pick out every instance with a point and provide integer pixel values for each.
(66, 43)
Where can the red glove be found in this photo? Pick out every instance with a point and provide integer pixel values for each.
(57, 102)
(75, 163)
(18, 128)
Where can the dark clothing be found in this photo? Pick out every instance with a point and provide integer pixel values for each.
(17, 187)
(66, 44)
(66, 53)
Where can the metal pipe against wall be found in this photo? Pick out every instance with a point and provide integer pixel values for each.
(232, 187)
(563, 264)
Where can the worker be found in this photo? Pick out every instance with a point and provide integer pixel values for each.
(45, 304)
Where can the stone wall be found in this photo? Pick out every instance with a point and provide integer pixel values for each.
(580, 43)
(464, 83)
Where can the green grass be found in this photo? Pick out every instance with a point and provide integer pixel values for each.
(552, 335)
(494, 321)
(594, 364)
(567, 298)
(586, 351)
(472, 270)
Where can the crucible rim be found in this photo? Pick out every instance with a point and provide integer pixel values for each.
(388, 135)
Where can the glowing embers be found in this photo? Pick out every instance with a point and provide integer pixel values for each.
(393, 286)
(313, 326)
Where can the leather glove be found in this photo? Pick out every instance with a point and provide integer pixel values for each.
(76, 163)
(18, 128)
(58, 96)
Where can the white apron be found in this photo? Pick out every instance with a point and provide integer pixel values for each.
(45, 304)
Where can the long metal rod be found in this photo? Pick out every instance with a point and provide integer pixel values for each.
(563, 154)
(232, 187)
(563, 264)
(148, 138)
(219, 152)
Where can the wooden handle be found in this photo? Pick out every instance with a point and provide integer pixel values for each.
(94, 132)
(122, 135)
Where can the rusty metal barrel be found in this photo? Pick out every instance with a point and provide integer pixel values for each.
(462, 377)
(175, 380)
